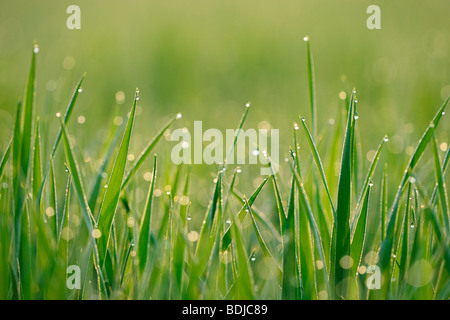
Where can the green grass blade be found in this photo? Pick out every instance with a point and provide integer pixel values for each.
(37, 170)
(312, 87)
(66, 118)
(291, 274)
(441, 186)
(147, 151)
(318, 162)
(342, 242)
(5, 158)
(387, 244)
(144, 235)
(112, 194)
(359, 235)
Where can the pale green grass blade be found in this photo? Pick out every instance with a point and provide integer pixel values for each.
(441, 186)
(5, 158)
(312, 87)
(383, 204)
(144, 154)
(367, 182)
(37, 170)
(144, 235)
(358, 239)
(77, 181)
(66, 118)
(112, 194)
(98, 179)
(291, 274)
(318, 162)
(342, 242)
(387, 244)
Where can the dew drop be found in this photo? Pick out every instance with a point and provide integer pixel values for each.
(412, 225)
(303, 119)
(255, 152)
(80, 90)
(238, 170)
(296, 127)
(36, 48)
(371, 183)
(58, 115)
(386, 139)
(179, 115)
(443, 113)
(228, 221)
(306, 38)
(189, 218)
(247, 105)
(412, 180)
(106, 186)
(356, 117)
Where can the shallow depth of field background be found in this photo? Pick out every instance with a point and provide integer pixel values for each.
(207, 59)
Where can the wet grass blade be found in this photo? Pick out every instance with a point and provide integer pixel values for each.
(291, 274)
(318, 162)
(441, 186)
(312, 87)
(37, 170)
(144, 154)
(144, 234)
(112, 194)
(66, 118)
(5, 158)
(387, 244)
(358, 239)
(342, 241)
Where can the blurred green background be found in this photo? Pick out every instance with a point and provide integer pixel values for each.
(206, 59)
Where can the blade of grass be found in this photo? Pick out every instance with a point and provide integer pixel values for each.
(387, 244)
(144, 235)
(112, 194)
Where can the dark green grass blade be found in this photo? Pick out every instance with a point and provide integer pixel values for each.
(342, 242)
(58, 137)
(77, 181)
(383, 204)
(5, 159)
(112, 194)
(226, 239)
(291, 274)
(37, 170)
(144, 154)
(312, 87)
(144, 235)
(28, 115)
(98, 179)
(387, 244)
(441, 186)
(359, 235)
(318, 162)
(368, 180)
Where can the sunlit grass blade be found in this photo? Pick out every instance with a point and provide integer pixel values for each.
(318, 162)
(66, 118)
(342, 241)
(291, 274)
(383, 203)
(359, 235)
(5, 158)
(144, 154)
(387, 244)
(112, 194)
(144, 234)
(311, 86)
(441, 186)
(37, 170)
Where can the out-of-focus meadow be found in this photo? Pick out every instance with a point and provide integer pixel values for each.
(207, 59)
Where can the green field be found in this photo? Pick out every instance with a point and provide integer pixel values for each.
(87, 178)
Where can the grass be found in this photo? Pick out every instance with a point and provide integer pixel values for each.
(312, 240)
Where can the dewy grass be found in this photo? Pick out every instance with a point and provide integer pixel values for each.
(304, 235)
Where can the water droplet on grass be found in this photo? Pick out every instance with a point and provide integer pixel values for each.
(386, 139)
(36, 48)
(80, 90)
